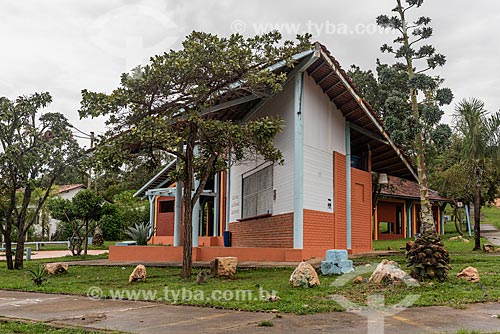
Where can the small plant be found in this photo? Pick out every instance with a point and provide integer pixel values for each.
(37, 274)
(139, 233)
(265, 323)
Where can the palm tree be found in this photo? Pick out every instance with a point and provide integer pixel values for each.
(480, 133)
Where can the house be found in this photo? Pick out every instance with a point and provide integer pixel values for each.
(398, 206)
(67, 191)
(319, 199)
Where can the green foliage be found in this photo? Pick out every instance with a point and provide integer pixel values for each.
(164, 107)
(140, 233)
(38, 274)
(35, 148)
(80, 215)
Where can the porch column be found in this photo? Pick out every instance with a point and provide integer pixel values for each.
(216, 205)
(441, 217)
(151, 214)
(298, 184)
(409, 219)
(178, 213)
(228, 192)
(196, 210)
(348, 184)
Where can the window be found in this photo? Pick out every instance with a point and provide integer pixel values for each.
(166, 206)
(258, 193)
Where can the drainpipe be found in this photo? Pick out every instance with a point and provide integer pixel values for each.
(348, 184)
(151, 215)
(298, 184)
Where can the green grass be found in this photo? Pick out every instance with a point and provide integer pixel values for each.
(16, 327)
(490, 215)
(466, 331)
(453, 247)
(455, 292)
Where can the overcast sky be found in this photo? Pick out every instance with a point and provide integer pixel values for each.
(64, 46)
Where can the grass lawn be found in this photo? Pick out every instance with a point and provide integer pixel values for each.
(108, 281)
(490, 215)
(16, 327)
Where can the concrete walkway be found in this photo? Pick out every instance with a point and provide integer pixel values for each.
(156, 318)
(491, 233)
(52, 254)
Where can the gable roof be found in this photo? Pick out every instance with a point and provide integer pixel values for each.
(157, 181)
(401, 188)
(68, 187)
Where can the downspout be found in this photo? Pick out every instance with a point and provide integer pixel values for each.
(348, 204)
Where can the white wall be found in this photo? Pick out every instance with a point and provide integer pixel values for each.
(282, 106)
(324, 133)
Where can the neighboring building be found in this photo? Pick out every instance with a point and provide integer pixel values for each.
(67, 191)
(398, 206)
(319, 199)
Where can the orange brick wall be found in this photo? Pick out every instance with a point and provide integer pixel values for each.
(274, 231)
(319, 229)
(361, 210)
(339, 175)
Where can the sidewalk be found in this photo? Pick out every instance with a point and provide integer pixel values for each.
(156, 318)
(491, 233)
(51, 254)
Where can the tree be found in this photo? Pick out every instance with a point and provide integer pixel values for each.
(480, 134)
(407, 47)
(34, 151)
(165, 105)
(82, 212)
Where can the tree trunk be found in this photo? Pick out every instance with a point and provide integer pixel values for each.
(8, 248)
(86, 240)
(427, 220)
(187, 250)
(477, 216)
(19, 258)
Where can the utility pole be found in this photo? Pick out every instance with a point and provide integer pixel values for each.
(89, 183)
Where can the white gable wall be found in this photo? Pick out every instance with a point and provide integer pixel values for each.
(324, 133)
(282, 106)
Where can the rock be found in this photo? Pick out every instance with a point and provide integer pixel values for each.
(339, 268)
(357, 280)
(273, 298)
(487, 248)
(139, 274)
(470, 274)
(408, 245)
(390, 271)
(459, 238)
(224, 266)
(56, 268)
(336, 255)
(498, 250)
(389, 248)
(304, 276)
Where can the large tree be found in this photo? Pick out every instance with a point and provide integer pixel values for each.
(34, 151)
(423, 97)
(166, 105)
(480, 149)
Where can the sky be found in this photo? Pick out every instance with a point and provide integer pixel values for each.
(64, 46)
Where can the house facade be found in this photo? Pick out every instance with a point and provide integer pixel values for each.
(321, 196)
(398, 206)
